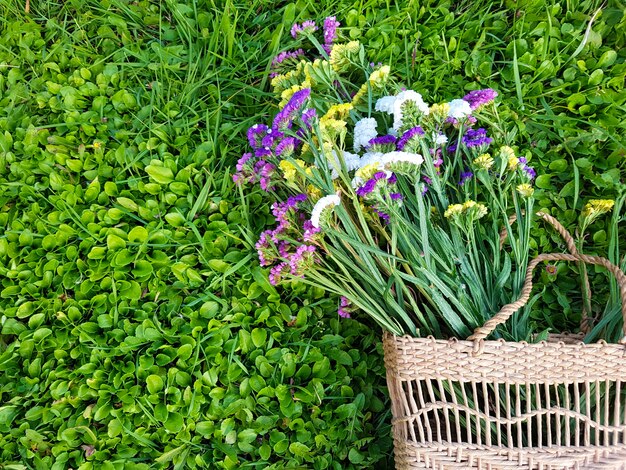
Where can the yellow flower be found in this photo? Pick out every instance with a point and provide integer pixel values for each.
(597, 207)
(288, 93)
(525, 190)
(506, 152)
(367, 171)
(512, 163)
(453, 210)
(314, 192)
(439, 111)
(290, 171)
(333, 128)
(97, 145)
(379, 77)
(474, 209)
(340, 55)
(340, 111)
(484, 161)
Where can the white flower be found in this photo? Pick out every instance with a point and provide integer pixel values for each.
(459, 109)
(440, 139)
(351, 160)
(327, 202)
(385, 104)
(370, 158)
(403, 97)
(401, 157)
(364, 131)
(356, 182)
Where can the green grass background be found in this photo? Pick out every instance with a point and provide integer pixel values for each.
(137, 330)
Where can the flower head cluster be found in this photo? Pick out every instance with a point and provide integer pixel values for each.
(409, 137)
(307, 27)
(330, 32)
(478, 98)
(343, 311)
(284, 118)
(322, 208)
(477, 138)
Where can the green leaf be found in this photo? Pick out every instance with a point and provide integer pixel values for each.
(174, 422)
(259, 337)
(154, 383)
(160, 174)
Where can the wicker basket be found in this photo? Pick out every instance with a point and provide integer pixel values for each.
(504, 405)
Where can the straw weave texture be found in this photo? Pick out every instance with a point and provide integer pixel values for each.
(478, 404)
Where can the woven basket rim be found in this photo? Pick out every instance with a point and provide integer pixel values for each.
(574, 344)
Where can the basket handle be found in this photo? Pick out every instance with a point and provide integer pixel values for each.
(505, 312)
(585, 320)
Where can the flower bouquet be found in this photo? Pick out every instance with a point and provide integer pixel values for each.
(419, 216)
(395, 205)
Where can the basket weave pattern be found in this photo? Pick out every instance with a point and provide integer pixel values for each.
(502, 405)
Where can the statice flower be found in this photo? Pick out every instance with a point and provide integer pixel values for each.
(330, 32)
(525, 190)
(484, 161)
(440, 139)
(401, 99)
(385, 143)
(284, 119)
(342, 311)
(478, 98)
(301, 258)
(286, 56)
(408, 135)
(351, 160)
(322, 206)
(385, 104)
(528, 170)
(370, 185)
(309, 231)
(265, 172)
(241, 163)
(307, 27)
(256, 134)
(465, 175)
(401, 162)
(286, 147)
(383, 215)
(276, 273)
(476, 138)
(459, 109)
(364, 131)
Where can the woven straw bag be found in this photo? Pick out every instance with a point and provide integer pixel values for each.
(478, 404)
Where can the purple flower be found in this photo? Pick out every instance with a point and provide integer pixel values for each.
(476, 138)
(285, 56)
(382, 215)
(276, 273)
(385, 143)
(265, 176)
(478, 98)
(299, 258)
(530, 171)
(284, 118)
(367, 188)
(395, 196)
(286, 146)
(307, 27)
(330, 32)
(469, 121)
(465, 175)
(243, 160)
(262, 152)
(342, 310)
(256, 134)
(452, 148)
(393, 179)
(408, 135)
(307, 116)
(309, 230)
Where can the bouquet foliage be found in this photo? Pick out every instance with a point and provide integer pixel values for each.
(415, 214)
